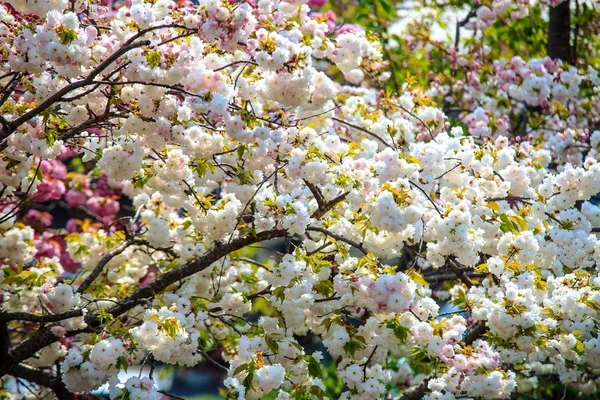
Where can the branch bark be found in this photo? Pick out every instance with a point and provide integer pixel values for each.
(101, 264)
(416, 392)
(57, 97)
(25, 316)
(42, 378)
(559, 32)
(45, 337)
(338, 237)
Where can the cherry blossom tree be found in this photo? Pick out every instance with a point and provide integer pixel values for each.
(148, 148)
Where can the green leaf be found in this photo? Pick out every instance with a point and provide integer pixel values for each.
(593, 304)
(325, 288)
(50, 136)
(318, 392)
(104, 316)
(122, 362)
(417, 277)
(296, 345)
(314, 368)
(352, 346)
(241, 368)
(461, 299)
(579, 348)
(272, 344)
(327, 322)
(248, 380)
(65, 35)
(400, 331)
(241, 149)
(279, 293)
(153, 58)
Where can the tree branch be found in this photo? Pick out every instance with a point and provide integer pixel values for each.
(45, 337)
(101, 264)
(57, 97)
(324, 209)
(416, 392)
(43, 379)
(338, 237)
(368, 132)
(25, 316)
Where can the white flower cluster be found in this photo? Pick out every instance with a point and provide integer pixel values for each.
(225, 132)
(171, 335)
(87, 370)
(135, 389)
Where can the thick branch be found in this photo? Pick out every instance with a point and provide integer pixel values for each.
(56, 97)
(45, 337)
(324, 209)
(559, 32)
(324, 205)
(4, 343)
(416, 392)
(316, 192)
(475, 333)
(25, 316)
(218, 251)
(460, 273)
(43, 379)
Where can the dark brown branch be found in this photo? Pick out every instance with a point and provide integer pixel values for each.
(366, 364)
(460, 273)
(100, 266)
(475, 333)
(15, 209)
(25, 316)
(338, 237)
(4, 343)
(45, 337)
(90, 123)
(316, 192)
(324, 209)
(170, 395)
(57, 97)
(250, 297)
(332, 298)
(43, 379)
(428, 198)
(161, 85)
(559, 32)
(234, 64)
(449, 277)
(416, 392)
(10, 87)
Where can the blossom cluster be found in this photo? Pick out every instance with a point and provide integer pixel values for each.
(180, 138)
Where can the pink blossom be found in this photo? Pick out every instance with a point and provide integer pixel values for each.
(316, 3)
(75, 198)
(102, 206)
(38, 219)
(50, 189)
(46, 246)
